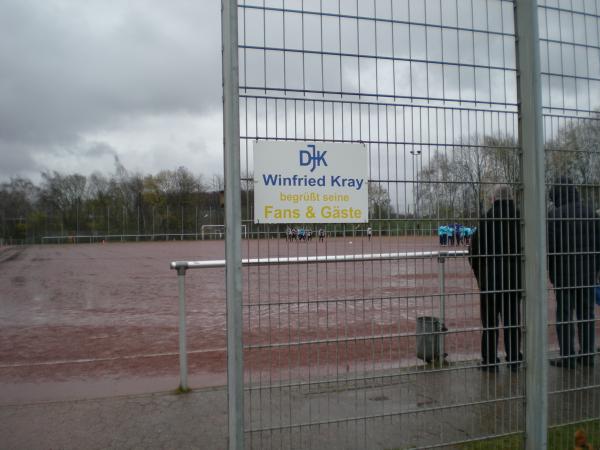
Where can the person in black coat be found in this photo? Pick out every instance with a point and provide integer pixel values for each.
(495, 257)
(573, 264)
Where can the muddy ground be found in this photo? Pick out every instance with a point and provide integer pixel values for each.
(102, 319)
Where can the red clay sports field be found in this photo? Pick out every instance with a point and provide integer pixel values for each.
(102, 319)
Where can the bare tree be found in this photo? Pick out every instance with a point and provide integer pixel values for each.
(576, 152)
(64, 194)
(438, 193)
(504, 158)
(17, 208)
(457, 181)
(380, 203)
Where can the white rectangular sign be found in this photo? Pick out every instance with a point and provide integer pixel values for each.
(310, 182)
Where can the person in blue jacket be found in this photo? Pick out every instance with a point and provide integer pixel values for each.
(442, 234)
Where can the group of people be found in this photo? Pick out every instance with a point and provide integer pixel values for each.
(303, 234)
(456, 234)
(573, 265)
(306, 234)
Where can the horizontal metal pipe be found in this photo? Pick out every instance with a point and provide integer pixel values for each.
(258, 88)
(377, 19)
(319, 259)
(376, 381)
(461, 443)
(361, 102)
(429, 409)
(338, 340)
(384, 298)
(99, 236)
(372, 56)
(258, 137)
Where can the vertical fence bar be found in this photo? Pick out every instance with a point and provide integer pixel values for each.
(182, 333)
(534, 229)
(442, 285)
(233, 221)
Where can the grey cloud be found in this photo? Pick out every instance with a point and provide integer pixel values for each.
(71, 67)
(97, 149)
(15, 157)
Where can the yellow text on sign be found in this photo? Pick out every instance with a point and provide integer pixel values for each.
(326, 212)
(313, 197)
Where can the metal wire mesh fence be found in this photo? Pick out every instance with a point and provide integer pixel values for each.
(570, 75)
(90, 223)
(404, 353)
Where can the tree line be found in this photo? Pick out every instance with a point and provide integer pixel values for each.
(458, 182)
(99, 206)
(454, 184)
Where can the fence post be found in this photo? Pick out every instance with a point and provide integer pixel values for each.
(442, 285)
(233, 221)
(183, 385)
(534, 228)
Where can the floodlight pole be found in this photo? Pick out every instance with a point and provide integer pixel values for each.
(233, 221)
(531, 142)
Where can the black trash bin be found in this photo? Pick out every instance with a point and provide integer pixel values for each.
(428, 338)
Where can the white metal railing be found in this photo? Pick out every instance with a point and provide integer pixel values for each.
(82, 238)
(183, 266)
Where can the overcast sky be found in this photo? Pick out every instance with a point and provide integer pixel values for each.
(84, 81)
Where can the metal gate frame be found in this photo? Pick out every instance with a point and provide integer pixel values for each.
(532, 151)
(233, 224)
(534, 222)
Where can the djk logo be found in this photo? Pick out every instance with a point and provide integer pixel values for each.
(314, 158)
